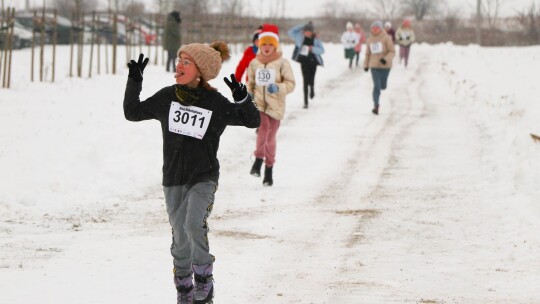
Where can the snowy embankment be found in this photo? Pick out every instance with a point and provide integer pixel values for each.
(496, 88)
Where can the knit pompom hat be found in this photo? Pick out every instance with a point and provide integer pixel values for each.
(308, 27)
(269, 35)
(208, 58)
(377, 23)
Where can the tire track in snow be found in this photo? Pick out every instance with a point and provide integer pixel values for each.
(360, 180)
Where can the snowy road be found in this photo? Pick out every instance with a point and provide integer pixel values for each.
(410, 206)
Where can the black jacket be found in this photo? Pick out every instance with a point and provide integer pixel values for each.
(187, 159)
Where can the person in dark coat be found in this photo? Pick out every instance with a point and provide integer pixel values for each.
(390, 31)
(193, 116)
(172, 38)
(308, 51)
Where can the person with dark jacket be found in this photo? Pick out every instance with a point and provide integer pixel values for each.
(308, 51)
(172, 38)
(193, 116)
(390, 31)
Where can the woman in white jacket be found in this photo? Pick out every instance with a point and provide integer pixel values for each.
(270, 79)
(349, 39)
(405, 38)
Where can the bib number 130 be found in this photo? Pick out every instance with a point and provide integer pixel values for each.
(189, 120)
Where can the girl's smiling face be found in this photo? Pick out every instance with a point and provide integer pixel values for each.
(267, 49)
(186, 71)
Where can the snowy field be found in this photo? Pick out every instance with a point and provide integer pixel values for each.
(436, 200)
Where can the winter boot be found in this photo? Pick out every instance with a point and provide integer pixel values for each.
(256, 168)
(312, 92)
(184, 289)
(306, 95)
(268, 181)
(375, 110)
(204, 284)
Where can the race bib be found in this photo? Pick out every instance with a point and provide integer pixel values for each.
(376, 47)
(189, 120)
(265, 77)
(304, 50)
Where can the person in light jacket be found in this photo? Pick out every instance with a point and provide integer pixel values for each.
(308, 50)
(270, 79)
(405, 38)
(379, 55)
(349, 39)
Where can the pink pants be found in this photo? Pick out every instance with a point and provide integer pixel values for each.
(266, 139)
(404, 53)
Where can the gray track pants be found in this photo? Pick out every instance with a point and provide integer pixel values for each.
(188, 208)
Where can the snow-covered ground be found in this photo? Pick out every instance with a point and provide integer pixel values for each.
(436, 200)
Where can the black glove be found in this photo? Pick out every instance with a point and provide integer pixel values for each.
(238, 89)
(136, 68)
(366, 69)
(383, 61)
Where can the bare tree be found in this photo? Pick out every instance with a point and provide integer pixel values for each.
(232, 7)
(70, 7)
(120, 5)
(530, 20)
(162, 6)
(134, 9)
(490, 11)
(447, 20)
(192, 7)
(277, 9)
(337, 10)
(385, 9)
(420, 8)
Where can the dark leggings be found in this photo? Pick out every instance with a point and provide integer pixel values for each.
(308, 73)
(171, 57)
(356, 56)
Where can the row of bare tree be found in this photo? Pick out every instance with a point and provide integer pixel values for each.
(438, 20)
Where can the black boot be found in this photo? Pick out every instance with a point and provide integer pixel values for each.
(312, 92)
(375, 110)
(268, 181)
(256, 168)
(306, 92)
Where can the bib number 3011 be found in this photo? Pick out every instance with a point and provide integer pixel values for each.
(189, 120)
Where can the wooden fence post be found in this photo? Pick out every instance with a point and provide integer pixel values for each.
(115, 42)
(55, 41)
(42, 44)
(92, 43)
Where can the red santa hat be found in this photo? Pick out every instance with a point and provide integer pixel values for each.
(269, 34)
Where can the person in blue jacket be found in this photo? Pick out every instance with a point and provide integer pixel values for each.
(308, 50)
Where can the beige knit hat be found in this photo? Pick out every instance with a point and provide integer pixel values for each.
(208, 58)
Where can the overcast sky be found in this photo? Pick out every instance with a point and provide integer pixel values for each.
(309, 8)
